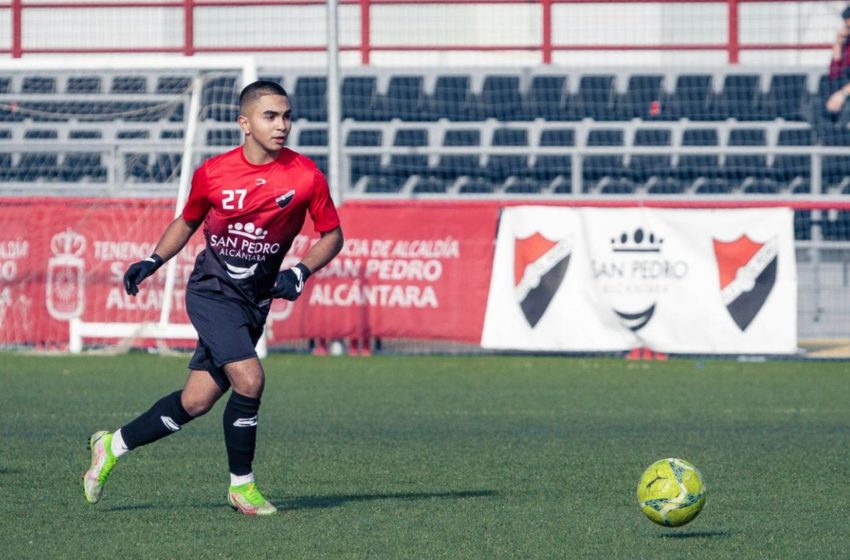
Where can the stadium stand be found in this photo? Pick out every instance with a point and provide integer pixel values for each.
(539, 132)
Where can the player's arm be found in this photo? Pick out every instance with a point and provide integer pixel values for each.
(290, 282)
(173, 239)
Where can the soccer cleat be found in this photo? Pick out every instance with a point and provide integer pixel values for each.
(102, 461)
(246, 499)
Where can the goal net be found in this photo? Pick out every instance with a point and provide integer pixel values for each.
(103, 149)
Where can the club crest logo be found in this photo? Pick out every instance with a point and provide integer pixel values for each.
(540, 265)
(747, 274)
(284, 199)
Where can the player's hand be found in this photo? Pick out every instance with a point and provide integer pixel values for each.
(290, 282)
(138, 271)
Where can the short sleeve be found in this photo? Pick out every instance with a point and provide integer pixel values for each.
(322, 209)
(198, 204)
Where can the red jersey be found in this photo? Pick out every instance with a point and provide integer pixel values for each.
(251, 214)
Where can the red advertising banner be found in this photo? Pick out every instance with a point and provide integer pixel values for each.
(408, 270)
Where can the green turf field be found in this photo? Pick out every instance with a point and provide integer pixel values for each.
(435, 457)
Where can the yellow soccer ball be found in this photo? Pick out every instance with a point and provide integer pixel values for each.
(671, 492)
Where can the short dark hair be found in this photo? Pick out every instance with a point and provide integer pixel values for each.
(255, 90)
(846, 13)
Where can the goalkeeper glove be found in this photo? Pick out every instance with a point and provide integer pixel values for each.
(138, 271)
(290, 282)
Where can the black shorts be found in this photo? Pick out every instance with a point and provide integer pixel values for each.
(228, 331)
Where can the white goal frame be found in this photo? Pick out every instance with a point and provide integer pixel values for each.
(160, 330)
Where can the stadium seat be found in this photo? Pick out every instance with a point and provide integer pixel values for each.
(173, 84)
(87, 85)
(476, 185)
(451, 99)
(228, 137)
(644, 166)
(451, 166)
(310, 99)
(637, 103)
(403, 166)
(545, 98)
(692, 167)
(793, 170)
(165, 167)
(85, 135)
(501, 166)
(313, 137)
(836, 171)
(739, 98)
(690, 100)
(137, 167)
(83, 165)
(749, 168)
(404, 100)
(37, 166)
(500, 99)
(596, 167)
(785, 98)
(359, 98)
(38, 84)
(429, 185)
(216, 96)
(594, 99)
(523, 186)
(129, 84)
(555, 169)
(5, 85)
(362, 164)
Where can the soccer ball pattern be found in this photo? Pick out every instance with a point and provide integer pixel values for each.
(671, 492)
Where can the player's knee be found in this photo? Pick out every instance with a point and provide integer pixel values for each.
(197, 405)
(250, 386)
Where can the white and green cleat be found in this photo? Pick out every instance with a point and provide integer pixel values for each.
(246, 498)
(102, 461)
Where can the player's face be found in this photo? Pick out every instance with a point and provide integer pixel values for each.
(266, 123)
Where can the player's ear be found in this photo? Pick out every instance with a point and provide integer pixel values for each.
(244, 124)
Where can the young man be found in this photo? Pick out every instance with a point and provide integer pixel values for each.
(253, 201)
(839, 66)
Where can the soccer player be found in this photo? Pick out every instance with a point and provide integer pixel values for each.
(252, 201)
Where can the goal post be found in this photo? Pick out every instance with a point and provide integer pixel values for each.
(143, 124)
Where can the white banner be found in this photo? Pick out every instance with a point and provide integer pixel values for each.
(678, 281)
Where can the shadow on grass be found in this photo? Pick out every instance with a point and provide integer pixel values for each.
(315, 502)
(318, 502)
(697, 535)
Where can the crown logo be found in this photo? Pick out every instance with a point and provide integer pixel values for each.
(68, 243)
(639, 241)
(248, 230)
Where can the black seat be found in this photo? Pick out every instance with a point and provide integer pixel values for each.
(87, 85)
(358, 98)
(641, 93)
(793, 168)
(451, 99)
(310, 99)
(690, 100)
(165, 167)
(643, 166)
(477, 185)
(595, 167)
(129, 84)
(753, 167)
(430, 185)
(364, 164)
(38, 166)
(313, 137)
(404, 99)
(555, 167)
(228, 137)
(739, 98)
(545, 98)
(80, 165)
(217, 99)
(38, 84)
(786, 97)
(501, 166)
(84, 134)
(173, 84)
(452, 166)
(594, 99)
(694, 166)
(500, 98)
(835, 170)
(404, 166)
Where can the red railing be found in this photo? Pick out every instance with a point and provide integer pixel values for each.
(732, 46)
